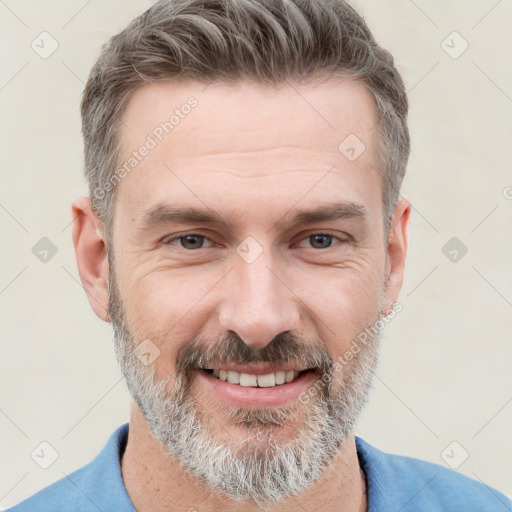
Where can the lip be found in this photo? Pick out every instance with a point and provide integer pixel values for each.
(256, 369)
(256, 398)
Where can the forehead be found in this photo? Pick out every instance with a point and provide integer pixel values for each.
(229, 142)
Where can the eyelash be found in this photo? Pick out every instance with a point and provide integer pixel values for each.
(184, 235)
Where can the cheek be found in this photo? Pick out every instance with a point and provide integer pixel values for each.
(342, 306)
(168, 308)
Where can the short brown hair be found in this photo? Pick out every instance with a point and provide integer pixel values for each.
(272, 41)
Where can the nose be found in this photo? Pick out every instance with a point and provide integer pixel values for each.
(258, 304)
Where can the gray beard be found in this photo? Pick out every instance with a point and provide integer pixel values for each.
(242, 470)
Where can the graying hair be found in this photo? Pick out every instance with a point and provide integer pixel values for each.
(267, 41)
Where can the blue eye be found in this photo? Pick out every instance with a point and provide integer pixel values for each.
(320, 241)
(194, 241)
(190, 241)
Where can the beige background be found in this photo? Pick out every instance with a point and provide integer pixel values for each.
(445, 372)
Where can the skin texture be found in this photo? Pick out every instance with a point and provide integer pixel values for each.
(258, 153)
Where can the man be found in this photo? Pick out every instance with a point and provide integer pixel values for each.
(246, 239)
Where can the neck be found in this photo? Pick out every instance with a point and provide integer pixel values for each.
(155, 481)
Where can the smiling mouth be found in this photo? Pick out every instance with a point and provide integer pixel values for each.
(251, 380)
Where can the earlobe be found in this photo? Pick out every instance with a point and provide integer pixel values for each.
(91, 255)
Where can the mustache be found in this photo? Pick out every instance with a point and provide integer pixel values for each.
(286, 347)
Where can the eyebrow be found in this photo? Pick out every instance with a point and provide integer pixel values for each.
(166, 214)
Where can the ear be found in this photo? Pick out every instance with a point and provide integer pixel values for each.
(91, 255)
(396, 252)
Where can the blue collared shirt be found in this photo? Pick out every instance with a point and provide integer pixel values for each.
(395, 484)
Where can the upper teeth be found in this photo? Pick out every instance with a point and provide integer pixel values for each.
(250, 380)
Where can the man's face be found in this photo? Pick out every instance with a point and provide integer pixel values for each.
(284, 274)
